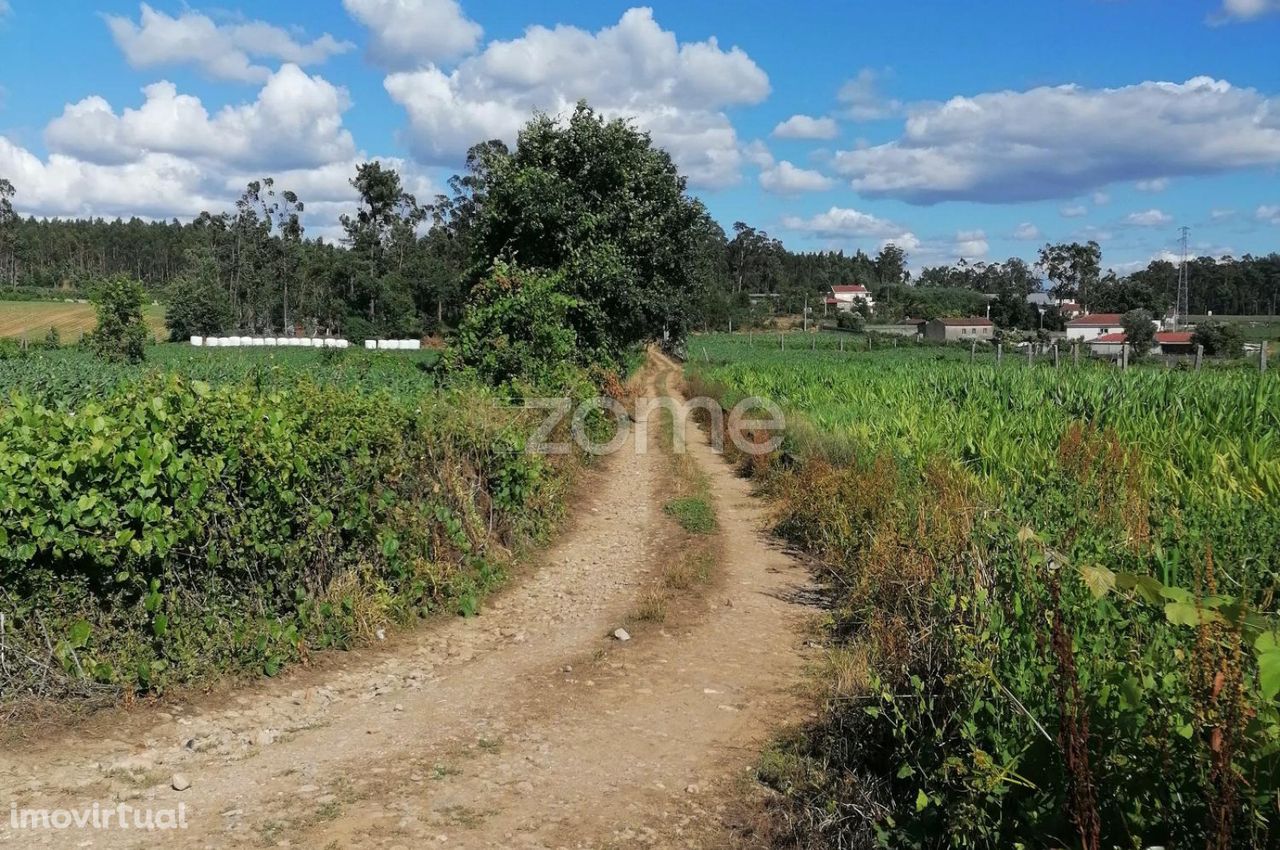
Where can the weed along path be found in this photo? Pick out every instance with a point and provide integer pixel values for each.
(531, 725)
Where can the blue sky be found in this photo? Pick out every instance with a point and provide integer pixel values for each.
(952, 129)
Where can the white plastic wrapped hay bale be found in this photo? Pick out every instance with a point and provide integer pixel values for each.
(330, 342)
(317, 342)
(415, 345)
(197, 341)
(344, 343)
(269, 341)
(370, 344)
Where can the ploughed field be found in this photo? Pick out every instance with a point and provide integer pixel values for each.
(1054, 595)
(32, 319)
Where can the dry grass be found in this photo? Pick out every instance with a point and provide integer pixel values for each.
(33, 319)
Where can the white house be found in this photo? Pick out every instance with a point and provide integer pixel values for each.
(1093, 325)
(847, 298)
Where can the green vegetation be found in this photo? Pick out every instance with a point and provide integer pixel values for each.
(121, 334)
(222, 511)
(694, 513)
(165, 527)
(1053, 592)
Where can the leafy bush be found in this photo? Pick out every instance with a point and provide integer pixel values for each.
(171, 529)
(850, 321)
(198, 305)
(121, 334)
(1139, 332)
(52, 340)
(517, 327)
(1220, 339)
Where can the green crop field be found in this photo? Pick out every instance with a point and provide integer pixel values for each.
(32, 319)
(1053, 590)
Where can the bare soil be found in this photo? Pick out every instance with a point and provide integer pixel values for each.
(529, 726)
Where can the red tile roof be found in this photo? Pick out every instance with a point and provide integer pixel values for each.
(1174, 337)
(854, 288)
(1095, 320)
(1116, 338)
(970, 321)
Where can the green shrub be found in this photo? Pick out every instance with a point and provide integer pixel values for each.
(121, 334)
(171, 529)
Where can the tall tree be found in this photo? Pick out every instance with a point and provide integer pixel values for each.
(597, 201)
(891, 265)
(8, 219)
(1072, 269)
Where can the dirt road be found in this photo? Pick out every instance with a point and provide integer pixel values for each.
(527, 726)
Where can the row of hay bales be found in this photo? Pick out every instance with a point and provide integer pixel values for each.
(393, 344)
(259, 341)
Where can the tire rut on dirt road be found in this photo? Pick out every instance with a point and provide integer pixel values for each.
(527, 726)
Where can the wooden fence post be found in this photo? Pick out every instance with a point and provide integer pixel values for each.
(1031, 348)
(1262, 356)
(1075, 353)
(1055, 355)
(999, 352)
(842, 345)
(1124, 356)
(973, 351)
(1199, 356)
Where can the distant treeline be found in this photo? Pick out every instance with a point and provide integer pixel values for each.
(406, 266)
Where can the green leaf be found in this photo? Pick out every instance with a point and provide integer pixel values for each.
(1269, 673)
(922, 800)
(1099, 580)
(78, 635)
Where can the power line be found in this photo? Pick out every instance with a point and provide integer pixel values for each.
(1181, 306)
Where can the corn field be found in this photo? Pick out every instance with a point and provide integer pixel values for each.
(1053, 594)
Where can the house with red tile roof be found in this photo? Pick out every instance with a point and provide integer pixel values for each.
(848, 297)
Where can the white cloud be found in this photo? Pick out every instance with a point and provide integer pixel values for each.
(170, 157)
(5, 9)
(1268, 213)
(1149, 218)
(757, 153)
(786, 179)
(1073, 211)
(1101, 199)
(408, 34)
(1157, 184)
(1247, 9)
(806, 127)
(1056, 142)
(633, 69)
(223, 51)
(1222, 215)
(971, 244)
(295, 122)
(1027, 232)
(860, 96)
(841, 221)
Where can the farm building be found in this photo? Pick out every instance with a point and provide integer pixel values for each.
(1093, 325)
(1175, 342)
(955, 329)
(1166, 342)
(1107, 345)
(850, 297)
(907, 327)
